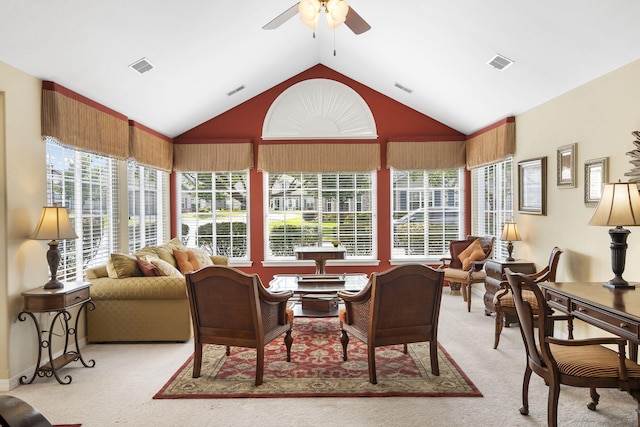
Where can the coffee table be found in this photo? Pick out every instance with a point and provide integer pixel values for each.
(315, 295)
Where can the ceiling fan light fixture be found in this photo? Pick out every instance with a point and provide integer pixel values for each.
(309, 12)
(336, 13)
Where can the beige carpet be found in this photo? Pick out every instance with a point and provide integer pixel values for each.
(317, 369)
(119, 390)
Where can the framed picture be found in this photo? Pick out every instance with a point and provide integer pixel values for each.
(567, 166)
(532, 186)
(596, 174)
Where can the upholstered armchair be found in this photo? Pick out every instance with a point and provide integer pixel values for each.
(398, 306)
(465, 265)
(503, 299)
(578, 363)
(231, 308)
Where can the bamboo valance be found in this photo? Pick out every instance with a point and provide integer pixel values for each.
(426, 155)
(492, 145)
(208, 157)
(303, 157)
(74, 120)
(150, 148)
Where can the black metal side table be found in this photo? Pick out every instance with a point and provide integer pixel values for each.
(57, 301)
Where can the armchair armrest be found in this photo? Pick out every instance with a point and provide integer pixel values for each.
(540, 276)
(444, 262)
(478, 265)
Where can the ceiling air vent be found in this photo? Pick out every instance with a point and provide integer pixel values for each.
(404, 88)
(500, 62)
(236, 90)
(142, 66)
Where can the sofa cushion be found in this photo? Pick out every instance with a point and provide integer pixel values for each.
(138, 288)
(186, 260)
(164, 251)
(202, 256)
(120, 266)
(96, 272)
(147, 268)
(219, 260)
(166, 268)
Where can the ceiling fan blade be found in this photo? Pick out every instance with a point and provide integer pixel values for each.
(355, 22)
(282, 18)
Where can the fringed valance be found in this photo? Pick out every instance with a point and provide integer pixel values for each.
(302, 157)
(76, 121)
(426, 155)
(205, 157)
(492, 144)
(150, 148)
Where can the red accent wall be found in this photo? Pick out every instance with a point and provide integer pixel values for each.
(394, 121)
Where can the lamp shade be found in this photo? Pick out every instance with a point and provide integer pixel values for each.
(510, 232)
(619, 205)
(54, 224)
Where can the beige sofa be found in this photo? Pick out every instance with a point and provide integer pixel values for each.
(132, 307)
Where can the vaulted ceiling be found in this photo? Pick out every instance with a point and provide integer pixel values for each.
(202, 51)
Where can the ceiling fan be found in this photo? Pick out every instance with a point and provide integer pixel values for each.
(337, 12)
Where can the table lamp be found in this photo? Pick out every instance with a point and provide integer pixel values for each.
(54, 225)
(618, 207)
(510, 233)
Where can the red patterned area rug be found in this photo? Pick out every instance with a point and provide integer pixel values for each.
(317, 369)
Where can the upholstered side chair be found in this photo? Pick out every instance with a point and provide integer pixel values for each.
(231, 308)
(465, 264)
(398, 306)
(503, 299)
(578, 363)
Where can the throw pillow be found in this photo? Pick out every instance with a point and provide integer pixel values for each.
(219, 260)
(473, 252)
(121, 266)
(147, 268)
(166, 268)
(186, 260)
(202, 256)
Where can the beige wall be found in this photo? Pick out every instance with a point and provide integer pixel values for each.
(599, 116)
(23, 262)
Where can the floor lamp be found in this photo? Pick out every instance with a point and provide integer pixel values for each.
(54, 225)
(619, 206)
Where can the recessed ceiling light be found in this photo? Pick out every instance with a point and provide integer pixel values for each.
(404, 88)
(500, 62)
(236, 90)
(142, 66)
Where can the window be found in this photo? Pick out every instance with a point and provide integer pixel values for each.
(426, 212)
(492, 201)
(87, 185)
(308, 209)
(214, 212)
(148, 208)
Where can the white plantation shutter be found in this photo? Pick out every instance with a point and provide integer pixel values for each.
(148, 205)
(87, 185)
(492, 201)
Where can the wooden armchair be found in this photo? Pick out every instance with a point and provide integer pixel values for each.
(577, 363)
(399, 306)
(503, 299)
(231, 308)
(465, 265)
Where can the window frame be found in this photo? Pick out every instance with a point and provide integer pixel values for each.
(425, 202)
(213, 245)
(360, 199)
